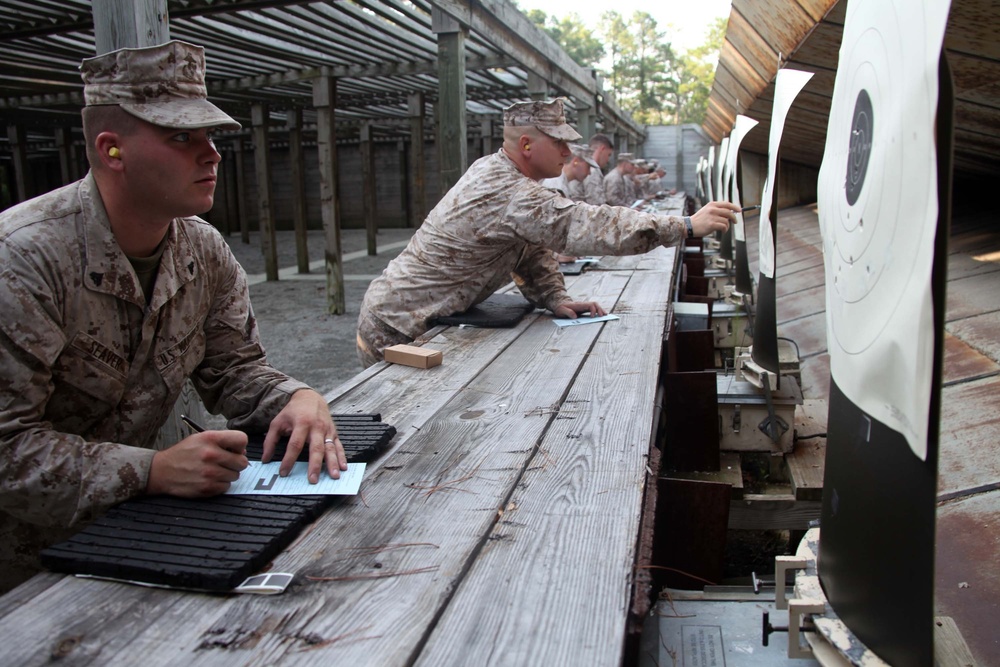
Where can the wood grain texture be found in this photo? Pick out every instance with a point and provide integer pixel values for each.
(527, 438)
(552, 585)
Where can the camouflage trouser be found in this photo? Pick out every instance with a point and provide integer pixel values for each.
(374, 335)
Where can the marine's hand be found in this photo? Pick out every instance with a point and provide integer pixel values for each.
(306, 421)
(573, 309)
(715, 216)
(203, 464)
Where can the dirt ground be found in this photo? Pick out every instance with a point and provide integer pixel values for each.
(300, 336)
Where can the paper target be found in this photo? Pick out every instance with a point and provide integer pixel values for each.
(740, 129)
(878, 210)
(787, 85)
(719, 185)
(709, 167)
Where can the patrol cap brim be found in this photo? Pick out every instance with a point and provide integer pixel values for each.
(183, 114)
(564, 132)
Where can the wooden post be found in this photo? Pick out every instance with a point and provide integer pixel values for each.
(405, 200)
(265, 200)
(538, 88)
(64, 144)
(486, 137)
(452, 142)
(241, 189)
(220, 216)
(297, 158)
(368, 198)
(585, 124)
(324, 98)
(418, 173)
(120, 24)
(25, 182)
(233, 216)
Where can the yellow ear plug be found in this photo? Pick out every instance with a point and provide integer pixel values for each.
(114, 152)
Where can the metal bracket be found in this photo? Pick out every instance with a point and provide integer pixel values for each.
(771, 425)
(737, 420)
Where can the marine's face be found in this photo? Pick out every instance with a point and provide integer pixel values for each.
(548, 156)
(601, 155)
(172, 171)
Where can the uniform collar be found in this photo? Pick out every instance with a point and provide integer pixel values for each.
(107, 269)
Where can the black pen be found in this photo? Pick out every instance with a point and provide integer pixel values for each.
(749, 208)
(190, 422)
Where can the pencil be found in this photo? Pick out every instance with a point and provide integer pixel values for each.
(190, 422)
(749, 208)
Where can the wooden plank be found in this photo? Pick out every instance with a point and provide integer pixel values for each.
(805, 469)
(447, 444)
(569, 531)
(950, 649)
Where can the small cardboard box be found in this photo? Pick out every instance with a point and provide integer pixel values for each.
(411, 355)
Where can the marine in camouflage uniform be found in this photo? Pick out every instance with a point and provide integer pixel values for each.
(496, 224)
(618, 190)
(92, 358)
(591, 191)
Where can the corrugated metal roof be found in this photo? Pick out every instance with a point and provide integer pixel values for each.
(380, 51)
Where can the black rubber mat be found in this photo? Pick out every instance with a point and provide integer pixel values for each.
(497, 311)
(208, 543)
(364, 438)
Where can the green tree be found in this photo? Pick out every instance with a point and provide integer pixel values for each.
(618, 46)
(646, 77)
(697, 74)
(576, 39)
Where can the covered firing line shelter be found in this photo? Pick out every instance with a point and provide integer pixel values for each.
(345, 94)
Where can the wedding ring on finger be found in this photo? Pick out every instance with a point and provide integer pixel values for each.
(328, 441)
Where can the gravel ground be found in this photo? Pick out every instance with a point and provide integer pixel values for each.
(300, 336)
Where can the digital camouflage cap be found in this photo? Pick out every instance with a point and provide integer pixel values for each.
(163, 85)
(547, 117)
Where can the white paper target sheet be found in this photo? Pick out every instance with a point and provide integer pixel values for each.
(878, 211)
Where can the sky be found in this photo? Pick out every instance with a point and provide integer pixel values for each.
(689, 18)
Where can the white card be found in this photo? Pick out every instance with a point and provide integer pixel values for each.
(263, 479)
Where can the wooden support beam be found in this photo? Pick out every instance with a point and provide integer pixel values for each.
(586, 124)
(265, 198)
(228, 177)
(538, 87)
(368, 198)
(489, 145)
(298, 171)
(241, 189)
(324, 99)
(452, 137)
(418, 172)
(405, 200)
(67, 163)
(24, 181)
(130, 24)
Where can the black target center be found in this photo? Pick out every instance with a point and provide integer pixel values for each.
(860, 146)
